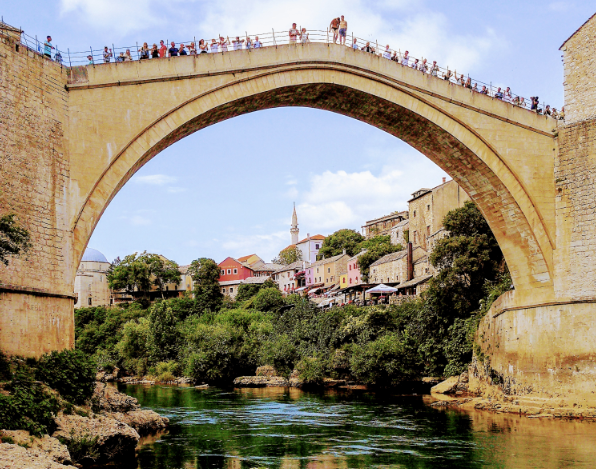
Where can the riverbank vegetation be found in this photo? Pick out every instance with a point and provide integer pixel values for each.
(212, 340)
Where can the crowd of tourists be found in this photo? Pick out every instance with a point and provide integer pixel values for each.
(338, 29)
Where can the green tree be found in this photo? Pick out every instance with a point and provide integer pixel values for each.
(14, 240)
(137, 273)
(162, 337)
(288, 256)
(376, 248)
(131, 274)
(334, 244)
(466, 259)
(205, 275)
(162, 271)
(248, 290)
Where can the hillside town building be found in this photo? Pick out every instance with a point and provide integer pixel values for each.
(428, 207)
(382, 226)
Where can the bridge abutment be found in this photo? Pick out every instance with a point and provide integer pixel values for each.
(36, 290)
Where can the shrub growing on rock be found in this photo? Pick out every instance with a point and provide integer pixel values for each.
(29, 406)
(70, 372)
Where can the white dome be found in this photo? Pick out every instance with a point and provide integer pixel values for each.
(93, 255)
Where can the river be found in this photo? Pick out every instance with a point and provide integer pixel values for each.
(291, 429)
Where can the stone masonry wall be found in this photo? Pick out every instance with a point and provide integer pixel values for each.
(575, 178)
(34, 171)
(579, 59)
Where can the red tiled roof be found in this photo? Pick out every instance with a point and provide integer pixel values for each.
(245, 258)
(317, 237)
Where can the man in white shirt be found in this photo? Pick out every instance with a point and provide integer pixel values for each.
(387, 53)
(405, 59)
(355, 44)
(257, 44)
(238, 43)
(293, 34)
(214, 46)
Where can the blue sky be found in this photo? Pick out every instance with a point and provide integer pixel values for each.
(228, 189)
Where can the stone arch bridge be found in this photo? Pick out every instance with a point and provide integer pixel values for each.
(75, 136)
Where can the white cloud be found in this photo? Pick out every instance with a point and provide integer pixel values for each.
(176, 190)
(346, 200)
(560, 6)
(266, 246)
(155, 179)
(138, 220)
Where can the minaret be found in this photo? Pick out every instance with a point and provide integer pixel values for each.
(294, 230)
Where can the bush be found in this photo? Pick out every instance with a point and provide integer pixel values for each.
(280, 352)
(311, 371)
(70, 372)
(384, 362)
(162, 337)
(213, 352)
(167, 371)
(5, 373)
(268, 299)
(28, 407)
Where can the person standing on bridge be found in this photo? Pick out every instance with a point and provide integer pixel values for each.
(334, 26)
(214, 46)
(405, 59)
(203, 47)
(238, 43)
(173, 50)
(154, 52)
(293, 34)
(47, 47)
(343, 30)
(355, 44)
(304, 37)
(258, 44)
(162, 49)
(447, 75)
(387, 53)
(368, 48)
(107, 55)
(434, 69)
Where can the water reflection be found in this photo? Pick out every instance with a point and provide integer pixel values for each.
(290, 429)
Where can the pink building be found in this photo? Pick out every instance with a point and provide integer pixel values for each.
(354, 277)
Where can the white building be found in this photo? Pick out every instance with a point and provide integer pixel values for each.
(91, 283)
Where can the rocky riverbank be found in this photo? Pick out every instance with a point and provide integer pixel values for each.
(106, 431)
(473, 391)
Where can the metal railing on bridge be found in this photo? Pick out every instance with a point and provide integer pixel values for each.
(273, 39)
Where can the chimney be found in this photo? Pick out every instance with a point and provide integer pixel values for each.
(344, 251)
(410, 262)
(444, 180)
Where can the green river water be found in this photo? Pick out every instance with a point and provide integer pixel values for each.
(291, 429)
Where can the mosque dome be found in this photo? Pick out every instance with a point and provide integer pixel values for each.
(93, 255)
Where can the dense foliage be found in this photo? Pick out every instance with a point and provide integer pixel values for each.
(205, 275)
(38, 389)
(210, 340)
(14, 239)
(69, 372)
(288, 256)
(334, 244)
(136, 273)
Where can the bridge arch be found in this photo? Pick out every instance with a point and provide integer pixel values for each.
(452, 143)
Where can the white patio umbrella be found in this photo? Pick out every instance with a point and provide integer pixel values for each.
(382, 288)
